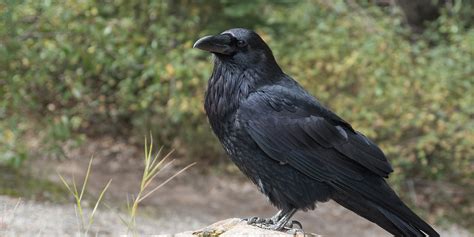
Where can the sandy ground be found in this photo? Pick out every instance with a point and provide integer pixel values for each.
(189, 202)
(185, 208)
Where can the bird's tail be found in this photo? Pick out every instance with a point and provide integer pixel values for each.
(397, 219)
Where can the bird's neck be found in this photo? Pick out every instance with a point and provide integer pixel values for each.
(227, 87)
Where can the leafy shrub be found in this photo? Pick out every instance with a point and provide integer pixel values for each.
(76, 68)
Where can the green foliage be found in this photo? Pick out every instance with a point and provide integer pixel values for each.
(77, 68)
(12, 151)
(19, 183)
(85, 221)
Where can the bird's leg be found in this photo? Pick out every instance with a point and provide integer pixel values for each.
(285, 217)
(274, 219)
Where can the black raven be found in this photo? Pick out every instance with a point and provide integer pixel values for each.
(294, 149)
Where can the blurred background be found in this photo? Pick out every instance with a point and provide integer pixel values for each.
(82, 78)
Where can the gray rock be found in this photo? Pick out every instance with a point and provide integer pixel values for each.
(237, 227)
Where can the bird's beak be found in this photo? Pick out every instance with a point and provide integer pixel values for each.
(220, 44)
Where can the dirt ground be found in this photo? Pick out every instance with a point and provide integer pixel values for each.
(191, 201)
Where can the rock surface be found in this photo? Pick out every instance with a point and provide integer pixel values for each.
(237, 227)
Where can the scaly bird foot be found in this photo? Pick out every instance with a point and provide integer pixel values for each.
(288, 227)
(258, 221)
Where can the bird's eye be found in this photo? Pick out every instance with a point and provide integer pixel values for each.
(241, 43)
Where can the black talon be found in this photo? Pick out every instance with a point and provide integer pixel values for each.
(260, 222)
(293, 223)
(284, 216)
(279, 221)
(268, 221)
(252, 220)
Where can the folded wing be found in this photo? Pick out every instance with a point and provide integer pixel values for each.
(295, 129)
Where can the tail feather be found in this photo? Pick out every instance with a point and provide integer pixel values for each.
(404, 227)
(369, 213)
(408, 217)
(399, 220)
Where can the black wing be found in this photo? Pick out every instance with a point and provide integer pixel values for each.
(291, 127)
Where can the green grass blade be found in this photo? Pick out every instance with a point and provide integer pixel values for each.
(157, 166)
(91, 217)
(158, 172)
(86, 178)
(165, 182)
(156, 157)
(65, 183)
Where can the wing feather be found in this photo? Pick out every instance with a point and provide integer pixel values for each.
(297, 130)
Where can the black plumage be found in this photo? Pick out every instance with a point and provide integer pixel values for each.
(294, 149)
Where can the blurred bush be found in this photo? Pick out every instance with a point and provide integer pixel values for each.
(76, 69)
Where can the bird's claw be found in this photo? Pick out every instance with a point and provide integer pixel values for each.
(258, 221)
(288, 227)
(251, 220)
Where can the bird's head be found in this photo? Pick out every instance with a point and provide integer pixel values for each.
(241, 47)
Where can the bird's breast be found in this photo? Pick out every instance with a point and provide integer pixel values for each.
(223, 97)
